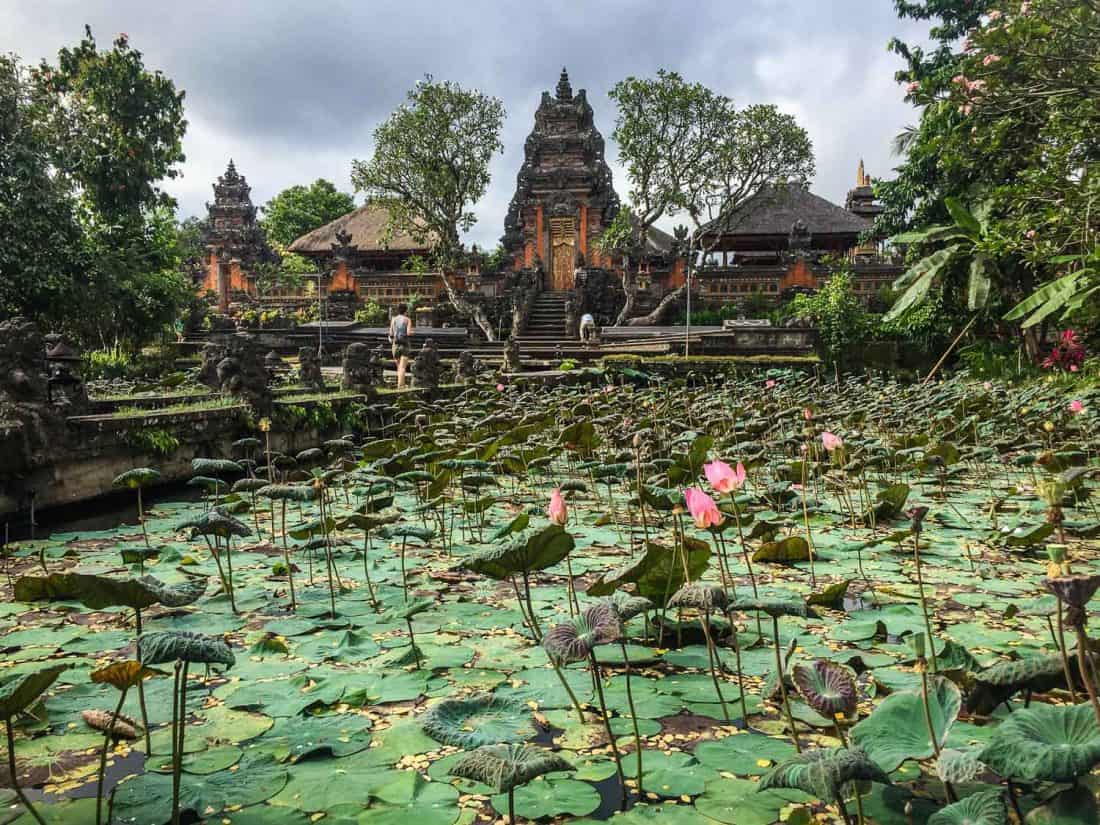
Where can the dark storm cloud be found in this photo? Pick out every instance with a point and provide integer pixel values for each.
(292, 91)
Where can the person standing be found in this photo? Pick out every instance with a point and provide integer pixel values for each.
(401, 327)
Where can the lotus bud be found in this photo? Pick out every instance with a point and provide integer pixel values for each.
(636, 442)
(1048, 426)
(557, 512)
(1059, 560)
(265, 425)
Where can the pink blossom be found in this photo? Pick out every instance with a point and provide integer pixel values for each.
(500, 388)
(966, 109)
(770, 383)
(1073, 368)
(912, 88)
(724, 478)
(995, 14)
(988, 385)
(1076, 406)
(1025, 7)
(830, 442)
(1031, 233)
(960, 79)
(557, 511)
(702, 508)
(990, 59)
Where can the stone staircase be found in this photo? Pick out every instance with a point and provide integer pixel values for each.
(546, 321)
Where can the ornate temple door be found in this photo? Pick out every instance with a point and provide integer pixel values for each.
(563, 253)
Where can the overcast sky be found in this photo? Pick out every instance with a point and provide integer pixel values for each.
(293, 90)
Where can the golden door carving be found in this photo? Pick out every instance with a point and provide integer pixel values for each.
(562, 252)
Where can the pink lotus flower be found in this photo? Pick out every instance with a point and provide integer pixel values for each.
(1031, 233)
(500, 388)
(724, 478)
(769, 383)
(702, 508)
(913, 88)
(830, 442)
(990, 59)
(988, 385)
(1076, 407)
(557, 511)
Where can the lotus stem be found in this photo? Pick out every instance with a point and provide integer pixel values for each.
(141, 694)
(144, 532)
(366, 569)
(947, 787)
(286, 560)
(924, 603)
(523, 610)
(740, 675)
(633, 716)
(569, 690)
(748, 560)
(1083, 665)
(530, 608)
(783, 685)
(712, 654)
(15, 777)
(404, 577)
(607, 727)
(412, 641)
(103, 758)
(571, 591)
(806, 523)
(229, 573)
(1064, 651)
(511, 806)
(855, 784)
(177, 712)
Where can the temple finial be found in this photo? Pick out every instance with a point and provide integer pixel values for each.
(861, 175)
(565, 90)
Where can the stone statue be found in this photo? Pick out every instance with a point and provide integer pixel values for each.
(243, 373)
(275, 366)
(212, 354)
(357, 367)
(22, 373)
(427, 367)
(466, 368)
(31, 427)
(571, 318)
(511, 356)
(376, 365)
(309, 369)
(65, 384)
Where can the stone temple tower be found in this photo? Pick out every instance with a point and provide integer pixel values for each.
(235, 242)
(564, 195)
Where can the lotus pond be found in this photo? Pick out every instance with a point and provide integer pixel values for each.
(759, 600)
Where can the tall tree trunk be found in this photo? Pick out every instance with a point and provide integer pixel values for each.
(630, 288)
(468, 308)
(654, 318)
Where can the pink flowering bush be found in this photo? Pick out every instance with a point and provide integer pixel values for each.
(1067, 355)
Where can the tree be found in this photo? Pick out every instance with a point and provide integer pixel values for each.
(43, 260)
(91, 138)
(430, 166)
(118, 127)
(1009, 121)
(301, 209)
(688, 150)
(915, 196)
(842, 321)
